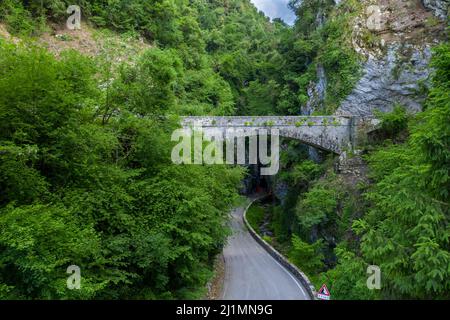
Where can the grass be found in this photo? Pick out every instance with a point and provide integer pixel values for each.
(255, 216)
(240, 201)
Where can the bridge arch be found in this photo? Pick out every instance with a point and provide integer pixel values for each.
(331, 133)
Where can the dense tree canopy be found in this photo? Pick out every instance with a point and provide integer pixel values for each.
(86, 177)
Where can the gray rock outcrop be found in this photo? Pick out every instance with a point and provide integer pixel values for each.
(438, 7)
(395, 78)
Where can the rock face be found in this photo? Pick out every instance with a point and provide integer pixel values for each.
(397, 64)
(280, 190)
(438, 7)
(316, 94)
(395, 78)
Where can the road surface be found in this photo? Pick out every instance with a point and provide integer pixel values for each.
(251, 273)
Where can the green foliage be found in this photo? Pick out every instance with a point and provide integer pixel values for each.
(38, 243)
(406, 231)
(18, 20)
(341, 62)
(220, 47)
(347, 281)
(28, 113)
(149, 86)
(255, 216)
(401, 223)
(317, 206)
(86, 179)
(86, 176)
(431, 135)
(18, 167)
(208, 89)
(394, 122)
(307, 256)
(267, 239)
(261, 97)
(321, 39)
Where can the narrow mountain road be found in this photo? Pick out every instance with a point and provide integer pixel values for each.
(251, 273)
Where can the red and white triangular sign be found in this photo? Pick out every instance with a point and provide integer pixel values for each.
(324, 293)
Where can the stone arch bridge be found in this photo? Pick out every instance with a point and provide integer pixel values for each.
(331, 133)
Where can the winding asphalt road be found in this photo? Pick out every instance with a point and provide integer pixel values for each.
(251, 273)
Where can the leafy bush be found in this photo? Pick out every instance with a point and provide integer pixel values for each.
(255, 216)
(317, 206)
(347, 281)
(103, 195)
(305, 172)
(38, 243)
(17, 18)
(394, 122)
(406, 231)
(308, 257)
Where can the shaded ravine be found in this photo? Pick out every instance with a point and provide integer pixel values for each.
(251, 273)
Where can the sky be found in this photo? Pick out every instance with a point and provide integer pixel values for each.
(276, 9)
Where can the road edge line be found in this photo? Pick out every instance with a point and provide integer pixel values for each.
(295, 271)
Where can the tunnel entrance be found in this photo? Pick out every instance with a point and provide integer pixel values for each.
(292, 152)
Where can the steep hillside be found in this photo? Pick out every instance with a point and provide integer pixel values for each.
(355, 57)
(398, 55)
(370, 206)
(224, 45)
(86, 118)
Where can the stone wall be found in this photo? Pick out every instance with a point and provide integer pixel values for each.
(267, 121)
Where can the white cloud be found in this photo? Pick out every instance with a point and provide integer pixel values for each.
(276, 9)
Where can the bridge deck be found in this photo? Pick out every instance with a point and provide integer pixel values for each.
(331, 133)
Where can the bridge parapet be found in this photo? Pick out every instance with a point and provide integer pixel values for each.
(330, 133)
(267, 121)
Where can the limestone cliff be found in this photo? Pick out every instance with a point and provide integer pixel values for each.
(438, 7)
(396, 67)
